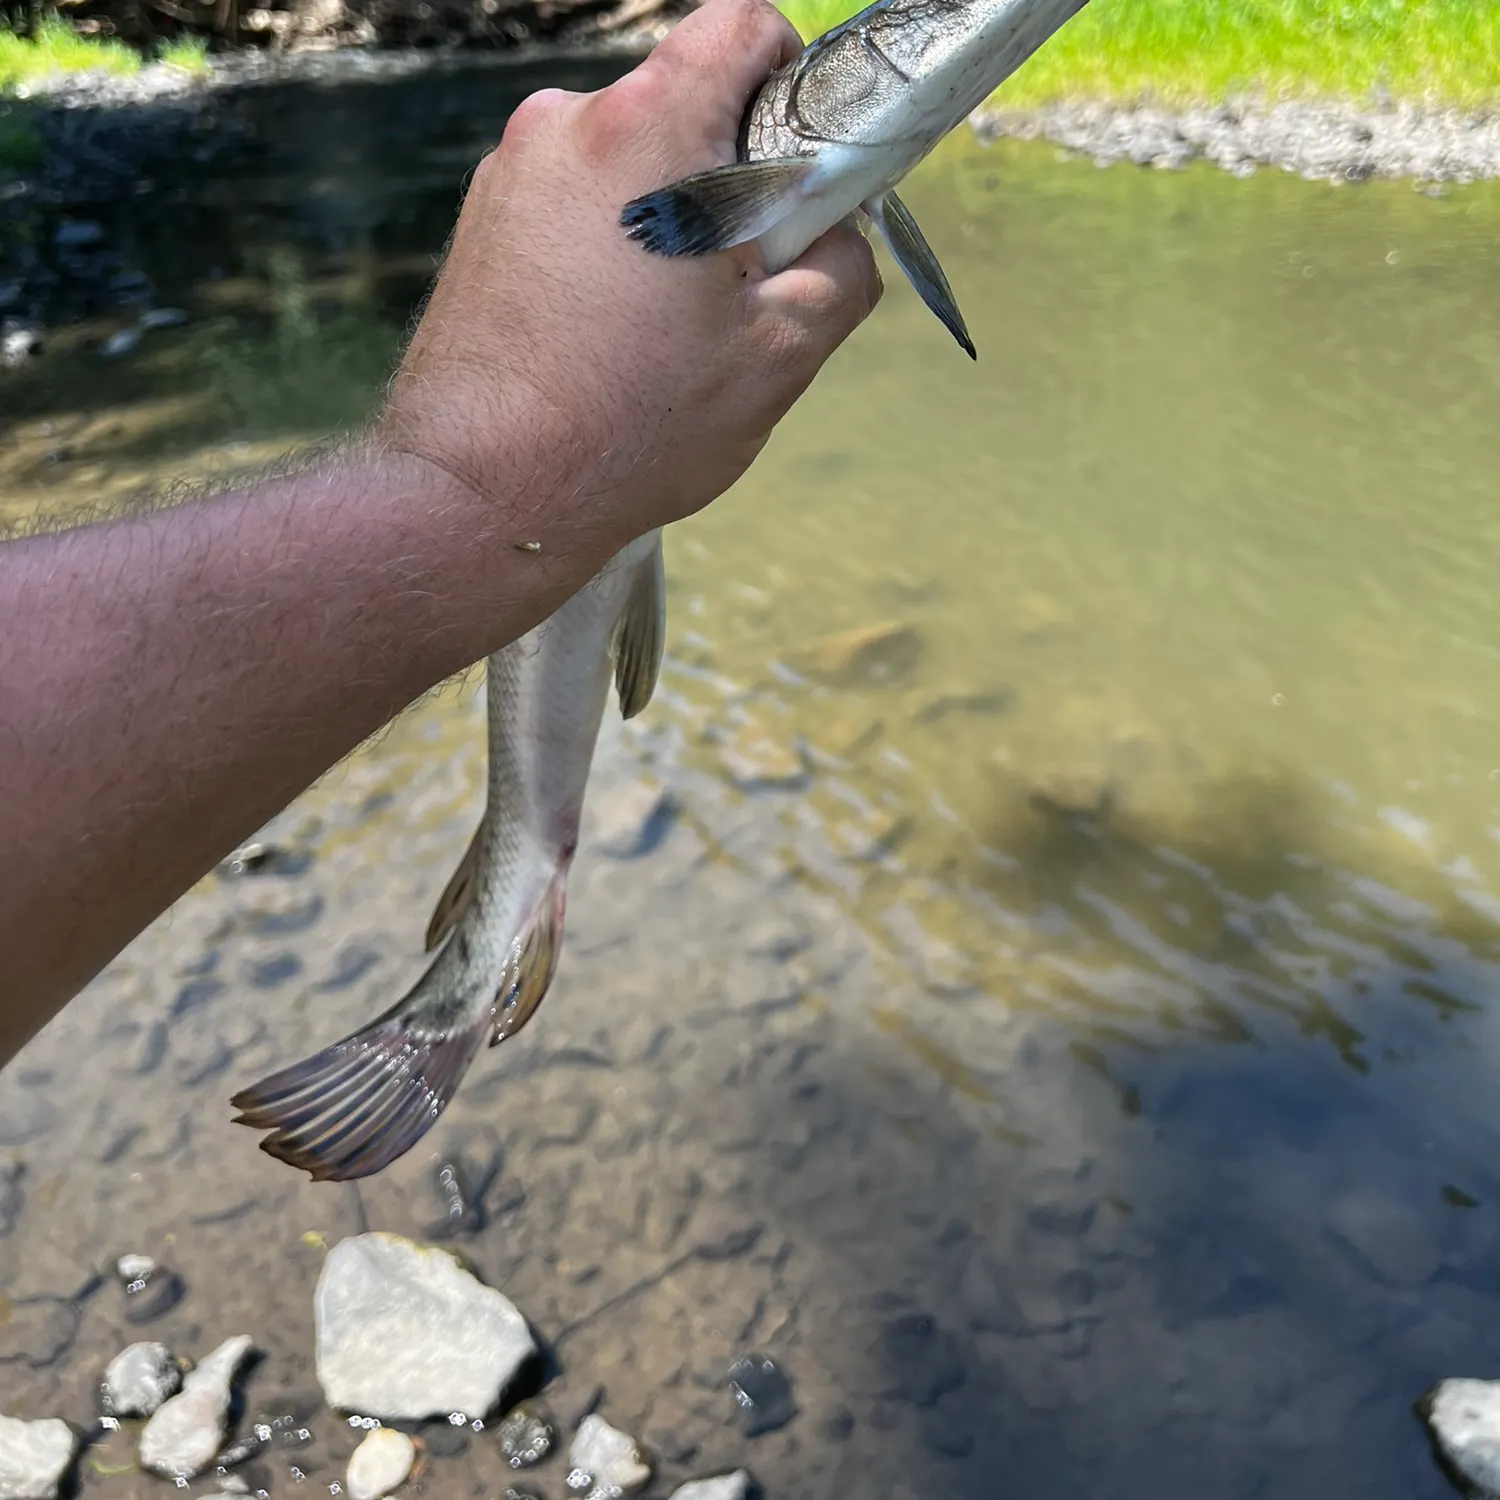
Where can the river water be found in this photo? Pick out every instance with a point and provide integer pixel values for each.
(1062, 1035)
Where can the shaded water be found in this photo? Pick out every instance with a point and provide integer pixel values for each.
(1066, 1044)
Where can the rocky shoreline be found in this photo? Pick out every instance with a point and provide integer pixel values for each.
(1325, 140)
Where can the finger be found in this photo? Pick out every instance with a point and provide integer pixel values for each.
(830, 289)
(732, 46)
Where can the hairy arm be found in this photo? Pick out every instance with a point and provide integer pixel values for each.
(170, 681)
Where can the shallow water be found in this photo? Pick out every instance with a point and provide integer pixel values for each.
(1089, 1006)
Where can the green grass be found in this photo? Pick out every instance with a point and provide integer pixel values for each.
(57, 48)
(190, 53)
(1186, 50)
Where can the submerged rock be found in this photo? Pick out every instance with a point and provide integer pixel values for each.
(604, 1463)
(380, 1464)
(853, 658)
(1464, 1416)
(404, 1332)
(185, 1435)
(734, 1486)
(139, 1379)
(762, 1394)
(34, 1456)
(150, 1288)
(526, 1437)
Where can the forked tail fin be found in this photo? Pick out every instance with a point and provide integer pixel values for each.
(353, 1108)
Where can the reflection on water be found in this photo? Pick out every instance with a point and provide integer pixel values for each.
(1127, 860)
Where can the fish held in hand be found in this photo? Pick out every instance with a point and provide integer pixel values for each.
(841, 124)
(355, 1107)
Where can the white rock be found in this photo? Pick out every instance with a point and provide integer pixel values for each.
(117, 345)
(1465, 1419)
(133, 1268)
(605, 1461)
(380, 1464)
(186, 1433)
(139, 1378)
(404, 1331)
(34, 1456)
(734, 1486)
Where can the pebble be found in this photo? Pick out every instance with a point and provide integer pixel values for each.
(1464, 1416)
(139, 1379)
(526, 1437)
(604, 1463)
(863, 656)
(74, 234)
(762, 1394)
(34, 1456)
(120, 343)
(17, 345)
(734, 1486)
(162, 317)
(150, 1288)
(757, 757)
(184, 1436)
(404, 1332)
(380, 1464)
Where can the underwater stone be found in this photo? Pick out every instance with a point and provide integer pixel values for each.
(34, 1456)
(762, 1394)
(186, 1433)
(864, 655)
(380, 1464)
(604, 1463)
(734, 1486)
(139, 1379)
(526, 1437)
(404, 1332)
(1464, 1416)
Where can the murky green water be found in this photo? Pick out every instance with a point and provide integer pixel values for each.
(1166, 813)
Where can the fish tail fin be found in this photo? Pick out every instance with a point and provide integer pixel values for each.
(716, 209)
(538, 948)
(458, 894)
(353, 1108)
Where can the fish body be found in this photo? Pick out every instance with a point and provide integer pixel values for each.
(830, 133)
(840, 125)
(358, 1105)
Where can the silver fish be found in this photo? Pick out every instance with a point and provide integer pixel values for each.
(841, 124)
(358, 1105)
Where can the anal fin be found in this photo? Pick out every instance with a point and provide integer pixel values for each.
(641, 635)
(539, 947)
(914, 255)
(458, 894)
(716, 209)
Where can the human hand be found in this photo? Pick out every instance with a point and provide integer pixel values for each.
(631, 388)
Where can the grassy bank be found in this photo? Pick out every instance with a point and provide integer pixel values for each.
(57, 48)
(1182, 51)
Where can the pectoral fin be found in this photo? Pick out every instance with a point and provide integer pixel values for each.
(914, 255)
(641, 636)
(716, 209)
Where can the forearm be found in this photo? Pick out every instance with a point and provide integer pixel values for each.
(214, 660)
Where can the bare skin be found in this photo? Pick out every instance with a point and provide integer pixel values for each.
(171, 681)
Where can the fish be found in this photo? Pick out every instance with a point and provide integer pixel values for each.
(833, 131)
(350, 1110)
